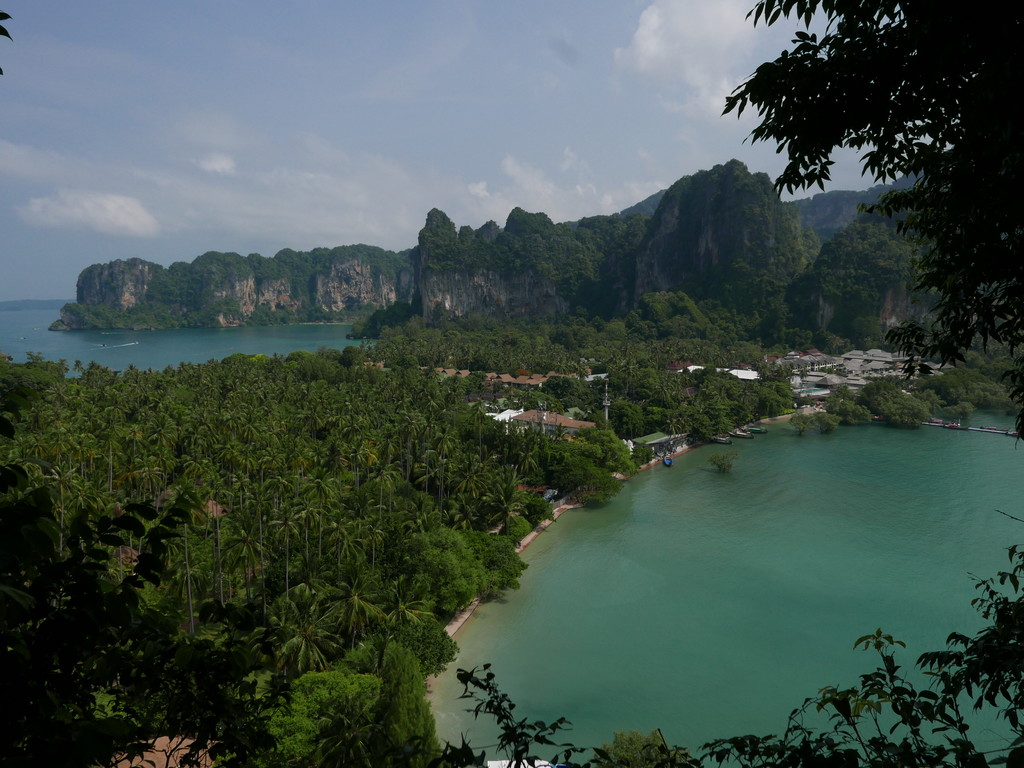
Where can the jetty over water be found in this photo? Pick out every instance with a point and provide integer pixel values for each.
(955, 425)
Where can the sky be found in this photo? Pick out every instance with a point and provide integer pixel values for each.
(135, 128)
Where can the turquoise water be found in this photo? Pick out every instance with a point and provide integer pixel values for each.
(26, 331)
(711, 605)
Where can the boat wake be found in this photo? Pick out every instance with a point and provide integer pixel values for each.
(115, 346)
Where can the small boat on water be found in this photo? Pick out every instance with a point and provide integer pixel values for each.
(741, 433)
(758, 430)
(667, 461)
(723, 439)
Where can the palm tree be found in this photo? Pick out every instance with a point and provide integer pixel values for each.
(309, 628)
(341, 534)
(359, 603)
(504, 501)
(459, 514)
(187, 579)
(244, 546)
(405, 605)
(286, 523)
(472, 477)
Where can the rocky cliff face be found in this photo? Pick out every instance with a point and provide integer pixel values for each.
(225, 289)
(898, 305)
(278, 295)
(120, 284)
(721, 233)
(449, 295)
(464, 272)
(352, 284)
(248, 294)
(859, 285)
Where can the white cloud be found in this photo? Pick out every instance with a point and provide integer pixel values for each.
(312, 193)
(703, 49)
(688, 39)
(527, 179)
(570, 161)
(218, 162)
(102, 212)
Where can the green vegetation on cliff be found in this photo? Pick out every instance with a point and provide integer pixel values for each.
(571, 257)
(228, 289)
(724, 234)
(860, 280)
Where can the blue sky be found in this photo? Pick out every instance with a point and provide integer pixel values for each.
(164, 130)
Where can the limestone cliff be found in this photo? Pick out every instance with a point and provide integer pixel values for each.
(120, 284)
(859, 286)
(487, 271)
(722, 237)
(450, 295)
(226, 289)
(352, 284)
(721, 234)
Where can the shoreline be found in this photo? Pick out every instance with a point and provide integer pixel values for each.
(459, 620)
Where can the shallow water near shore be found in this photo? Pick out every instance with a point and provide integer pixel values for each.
(711, 605)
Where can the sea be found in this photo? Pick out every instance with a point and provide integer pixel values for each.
(705, 604)
(711, 605)
(23, 331)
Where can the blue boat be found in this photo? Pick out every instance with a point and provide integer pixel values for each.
(667, 461)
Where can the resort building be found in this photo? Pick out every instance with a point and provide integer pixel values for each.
(661, 443)
(808, 360)
(874, 362)
(550, 423)
(747, 374)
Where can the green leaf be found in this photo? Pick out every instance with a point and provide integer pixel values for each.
(842, 706)
(131, 524)
(23, 599)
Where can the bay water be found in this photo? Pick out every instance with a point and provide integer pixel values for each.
(24, 331)
(711, 605)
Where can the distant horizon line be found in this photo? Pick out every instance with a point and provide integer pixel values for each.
(4, 303)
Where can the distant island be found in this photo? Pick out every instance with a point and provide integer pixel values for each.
(722, 238)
